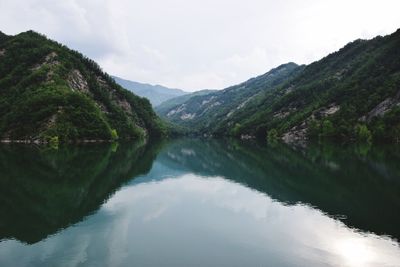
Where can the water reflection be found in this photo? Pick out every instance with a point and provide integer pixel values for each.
(361, 189)
(201, 203)
(44, 190)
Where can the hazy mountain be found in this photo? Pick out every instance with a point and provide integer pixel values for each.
(351, 94)
(168, 104)
(204, 112)
(155, 93)
(48, 91)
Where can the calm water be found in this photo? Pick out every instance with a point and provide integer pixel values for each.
(200, 203)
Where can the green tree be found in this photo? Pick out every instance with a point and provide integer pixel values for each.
(272, 136)
(327, 129)
(314, 129)
(236, 129)
(54, 142)
(114, 134)
(363, 134)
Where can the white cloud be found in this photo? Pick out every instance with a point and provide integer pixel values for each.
(200, 44)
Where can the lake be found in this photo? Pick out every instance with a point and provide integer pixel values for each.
(193, 202)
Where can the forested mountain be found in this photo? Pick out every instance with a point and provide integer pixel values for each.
(208, 112)
(49, 92)
(168, 104)
(157, 94)
(351, 94)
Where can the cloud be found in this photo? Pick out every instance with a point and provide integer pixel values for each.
(200, 44)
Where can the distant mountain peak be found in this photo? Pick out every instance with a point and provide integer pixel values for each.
(155, 93)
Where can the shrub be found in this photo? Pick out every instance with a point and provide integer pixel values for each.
(272, 136)
(362, 133)
(114, 134)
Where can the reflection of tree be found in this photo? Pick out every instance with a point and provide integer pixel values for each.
(362, 185)
(42, 191)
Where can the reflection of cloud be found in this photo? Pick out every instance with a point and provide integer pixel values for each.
(155, 213)
(177, 221)
(188, 152)
(355, 252)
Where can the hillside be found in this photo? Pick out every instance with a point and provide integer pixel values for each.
(169, 104)
(157, 94)
(208, 112)
(351, 94)
(49, 92)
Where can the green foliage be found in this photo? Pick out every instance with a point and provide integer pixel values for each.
(38, 98)
(362, 133)
(236, 129)
(114, 134)
(163, 108)
(272, 136)
(314, 129)
(327, 98)
(217, 111)
(54, 142)
(327, 129)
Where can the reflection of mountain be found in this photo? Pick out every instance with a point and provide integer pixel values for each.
(42, 191)
(364, 191)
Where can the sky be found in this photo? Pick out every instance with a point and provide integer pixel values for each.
(203, 44)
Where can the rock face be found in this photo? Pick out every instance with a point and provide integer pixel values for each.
(64, 96)
(296, 134)
(50, 61)
(383, 107)
(77, 82)
(330, 110)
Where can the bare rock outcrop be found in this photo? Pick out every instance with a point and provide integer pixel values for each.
(383, 107)
(296, 134)
(77, 82)
(124, 105)
(50, 60)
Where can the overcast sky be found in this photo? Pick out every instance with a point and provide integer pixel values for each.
(200, 44)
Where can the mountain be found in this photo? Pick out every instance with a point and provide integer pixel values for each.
(207, 112)
(155, 93)
(49, 92)
(352, 94)
(168, 104)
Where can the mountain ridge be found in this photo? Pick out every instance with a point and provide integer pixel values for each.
(195, 111)
(157, 94)
(49, 92)
(351, 94)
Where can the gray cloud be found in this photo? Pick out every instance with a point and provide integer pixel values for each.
(200, 44)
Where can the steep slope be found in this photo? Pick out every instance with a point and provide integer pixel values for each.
(179, 100)
(206, 113)
(155, 93)
(351, 94)
(48, 91)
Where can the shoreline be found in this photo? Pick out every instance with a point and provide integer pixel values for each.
(38, 142)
